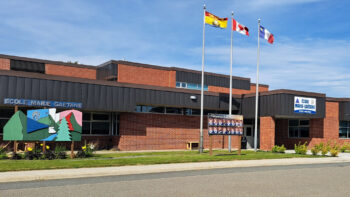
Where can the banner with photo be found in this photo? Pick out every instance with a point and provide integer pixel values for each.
(224, 124)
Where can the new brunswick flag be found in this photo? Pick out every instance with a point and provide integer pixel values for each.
(215, 21)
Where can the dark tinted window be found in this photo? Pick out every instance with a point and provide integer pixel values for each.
(86, 116)
(156, 109)
(86, 127)
(100, 128)
(196, 111)
(100, 116)
(172, 110)
(6, 113)
(27, 66)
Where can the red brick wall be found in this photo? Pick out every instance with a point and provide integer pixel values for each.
(4, 64)
(316, 133)
(267, 133)
(141, 131)
(237, 91)
(70, 71)
(321, 130)
(146, 76)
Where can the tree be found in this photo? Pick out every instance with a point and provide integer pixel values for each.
(63, 133)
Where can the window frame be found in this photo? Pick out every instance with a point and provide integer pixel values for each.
(347, 127)
(299, 126)
(91, 121)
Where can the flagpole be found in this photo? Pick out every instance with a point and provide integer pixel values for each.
(230, 98)
(257, 92)
(202, 87)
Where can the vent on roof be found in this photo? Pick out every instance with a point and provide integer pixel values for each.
(27, 66)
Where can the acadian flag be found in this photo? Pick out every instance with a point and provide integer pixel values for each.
(215, 21)
(264, 33)
(239, 28)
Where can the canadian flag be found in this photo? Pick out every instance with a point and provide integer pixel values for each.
(239, 28)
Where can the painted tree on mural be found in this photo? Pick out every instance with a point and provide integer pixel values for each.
(63, 133)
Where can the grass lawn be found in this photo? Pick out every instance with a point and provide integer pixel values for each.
(143, 158)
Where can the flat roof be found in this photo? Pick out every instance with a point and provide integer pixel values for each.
(120, 62)
(286, 91)
(103, 82)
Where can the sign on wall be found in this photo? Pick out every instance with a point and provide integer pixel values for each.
(224, 124)
(44, 125)
(42, 103)
(304, 105)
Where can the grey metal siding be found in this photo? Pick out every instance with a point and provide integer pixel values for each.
(107, 71)
(104, 97)
(281, 105)
(27, 66)
(212, 80)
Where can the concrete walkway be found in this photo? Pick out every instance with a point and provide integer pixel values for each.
(142, 169)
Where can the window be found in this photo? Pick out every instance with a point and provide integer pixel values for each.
(173, 110)
(298, 128)
(344, 129)
(192, 86)
(5, 115)
(96, 123)
(149, 109)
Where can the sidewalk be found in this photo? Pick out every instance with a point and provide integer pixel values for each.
(127, 170)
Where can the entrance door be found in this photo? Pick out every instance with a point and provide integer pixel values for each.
(249, 134)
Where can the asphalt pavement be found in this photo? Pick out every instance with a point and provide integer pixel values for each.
(329, 179)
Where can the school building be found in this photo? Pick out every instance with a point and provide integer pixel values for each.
(136, 106)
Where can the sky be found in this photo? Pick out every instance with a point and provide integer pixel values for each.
(310, 52)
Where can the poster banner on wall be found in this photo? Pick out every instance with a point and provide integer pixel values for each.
(224, 124)
(44, 125)
(304, 105)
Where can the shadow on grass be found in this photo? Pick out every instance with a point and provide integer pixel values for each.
(229, 154)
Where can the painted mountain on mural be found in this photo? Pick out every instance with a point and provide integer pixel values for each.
(44, 125)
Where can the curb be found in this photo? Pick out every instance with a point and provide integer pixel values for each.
(36, 175)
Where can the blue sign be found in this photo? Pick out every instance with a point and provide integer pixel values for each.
(304, 105)
(42, 103)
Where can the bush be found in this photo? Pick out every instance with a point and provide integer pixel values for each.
(16, 156)
(344, 147)
(29, 155)
(334, 152)
(300, 148)
(80, 154)
(316, 149)
(86, 151)
(324, 151)
(60, 152)
(282, 149)
(275, 149)
(3, 152)
(278, 149)
(49, 155)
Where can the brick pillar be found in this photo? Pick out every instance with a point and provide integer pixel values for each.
(267, 133)
(4, 64)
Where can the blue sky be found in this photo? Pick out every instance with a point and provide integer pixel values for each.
(310, 53)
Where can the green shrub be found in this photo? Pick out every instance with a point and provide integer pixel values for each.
(275, 149)
(16, 156)
(60, 152)
(3, 155)
(344, 147)
(300, 148)
(278, 149)
(282, 149)
(3, 152)
(334, 152)
(317, 148)
(324, 150)
(314, 151)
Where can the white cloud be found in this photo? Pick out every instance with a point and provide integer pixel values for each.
(312, 65)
